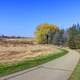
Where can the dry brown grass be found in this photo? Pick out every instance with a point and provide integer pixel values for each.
(11, 53)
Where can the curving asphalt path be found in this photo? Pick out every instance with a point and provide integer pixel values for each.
(58, 69)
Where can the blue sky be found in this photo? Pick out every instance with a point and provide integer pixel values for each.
(21, 17)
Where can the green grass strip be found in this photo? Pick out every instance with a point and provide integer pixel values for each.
(76, 73)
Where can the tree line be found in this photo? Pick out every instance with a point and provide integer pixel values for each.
(52, 34)
(12, 37)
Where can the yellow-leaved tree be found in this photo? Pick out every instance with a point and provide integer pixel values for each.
(45, 33)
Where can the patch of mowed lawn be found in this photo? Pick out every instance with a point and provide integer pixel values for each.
(6, 69)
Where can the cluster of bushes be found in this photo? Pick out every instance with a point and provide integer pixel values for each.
(52, 34)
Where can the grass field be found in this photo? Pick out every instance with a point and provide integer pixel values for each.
(12, 54)
(19, 56)
(76, 73)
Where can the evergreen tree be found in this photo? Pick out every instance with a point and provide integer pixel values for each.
(73, 36)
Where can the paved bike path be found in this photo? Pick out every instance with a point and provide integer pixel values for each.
(58, 69)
